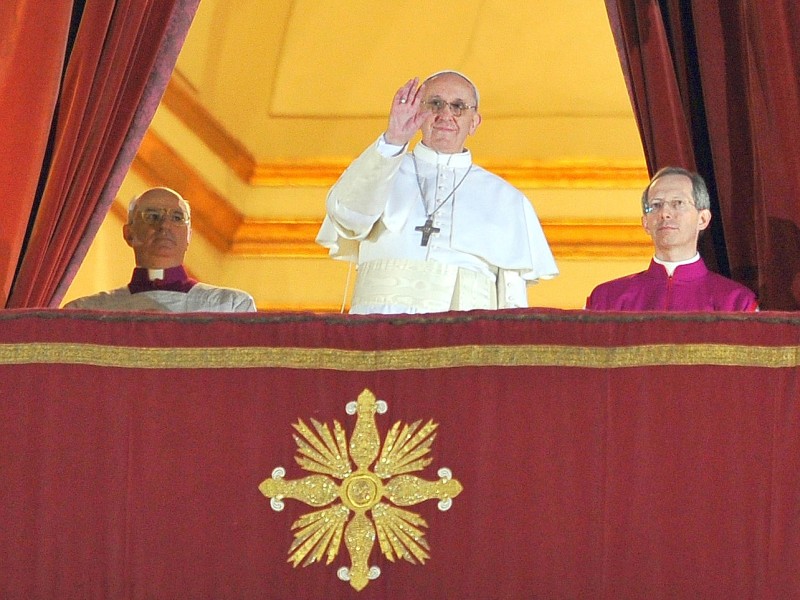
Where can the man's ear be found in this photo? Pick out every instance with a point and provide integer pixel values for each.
(703, 219)
(476, 120)
(644, 224)
(127, 233)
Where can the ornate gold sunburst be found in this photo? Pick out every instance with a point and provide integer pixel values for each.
(379, 491)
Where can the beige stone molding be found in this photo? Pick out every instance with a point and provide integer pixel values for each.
(231, 232)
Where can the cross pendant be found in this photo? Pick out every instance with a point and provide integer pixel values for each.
(426, 231)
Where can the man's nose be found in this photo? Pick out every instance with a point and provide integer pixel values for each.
(447, 108)
(667, 211)
(162, 225)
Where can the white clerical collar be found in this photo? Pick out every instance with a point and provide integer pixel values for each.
(154, 274)
(671, 266)
(461, 160)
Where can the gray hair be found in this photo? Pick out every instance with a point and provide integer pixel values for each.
(459, 74)
(135, 201)
(699, 190)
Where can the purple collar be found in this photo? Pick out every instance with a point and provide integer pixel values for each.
(175, 280)
(689, 272)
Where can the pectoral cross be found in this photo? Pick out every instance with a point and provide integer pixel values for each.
(426, 231)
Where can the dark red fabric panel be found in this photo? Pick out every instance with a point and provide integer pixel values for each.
(116, 49)
(724, 93)
(785, 491)
(30, 72)
(749, 72)
(644, 481)
(691, 469)
(653, 83)
(715, 87)
(65, 464)
(544, 327)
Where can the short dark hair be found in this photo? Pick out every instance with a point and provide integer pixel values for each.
(699, 190)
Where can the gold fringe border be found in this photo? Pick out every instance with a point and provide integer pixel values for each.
(588, 357)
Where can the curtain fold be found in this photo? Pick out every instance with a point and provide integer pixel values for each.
(113, 81)
(653, 84)
(715, 87)
(30, 74)
(167, 54)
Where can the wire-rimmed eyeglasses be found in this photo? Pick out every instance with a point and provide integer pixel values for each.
(158, 216)
(677, 205)
(437, 106)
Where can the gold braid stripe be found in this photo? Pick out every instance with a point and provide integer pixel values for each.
(531, 355)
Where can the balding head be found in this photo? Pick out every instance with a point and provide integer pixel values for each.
(157, 192)
(158, 228)
(443, 130)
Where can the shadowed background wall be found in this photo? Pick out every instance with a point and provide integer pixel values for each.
(271, 100)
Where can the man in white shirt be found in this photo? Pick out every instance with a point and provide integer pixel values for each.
(429, 230)
(159, 229)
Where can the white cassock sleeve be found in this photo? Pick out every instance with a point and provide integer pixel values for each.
(358, 199)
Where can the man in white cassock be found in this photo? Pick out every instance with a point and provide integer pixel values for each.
(159, 228)
(430, 230)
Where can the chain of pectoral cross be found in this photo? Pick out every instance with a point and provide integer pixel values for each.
(427, 229)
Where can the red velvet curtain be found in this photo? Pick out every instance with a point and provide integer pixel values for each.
(113, 78)
(716, 87)
(30, 70)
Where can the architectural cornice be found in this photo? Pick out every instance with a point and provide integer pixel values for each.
(527, 174)
(231, 232)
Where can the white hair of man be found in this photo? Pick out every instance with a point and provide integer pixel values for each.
(135, 200)
(459, 74)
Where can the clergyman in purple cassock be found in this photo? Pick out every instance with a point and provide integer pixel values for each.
(676, 208)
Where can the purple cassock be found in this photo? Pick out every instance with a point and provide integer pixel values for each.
(692, 287)
(175, 279)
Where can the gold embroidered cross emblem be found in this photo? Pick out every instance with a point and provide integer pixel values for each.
(372, 496)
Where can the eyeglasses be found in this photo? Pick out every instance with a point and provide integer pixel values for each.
(678, 205)
(157, 216)
(437, 106)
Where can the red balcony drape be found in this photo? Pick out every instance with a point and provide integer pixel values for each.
(601, 455)
(29, 80)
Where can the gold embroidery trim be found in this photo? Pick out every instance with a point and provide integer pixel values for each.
(488, 355)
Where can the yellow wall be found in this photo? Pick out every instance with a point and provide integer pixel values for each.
(317, 283)
(271, 100)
